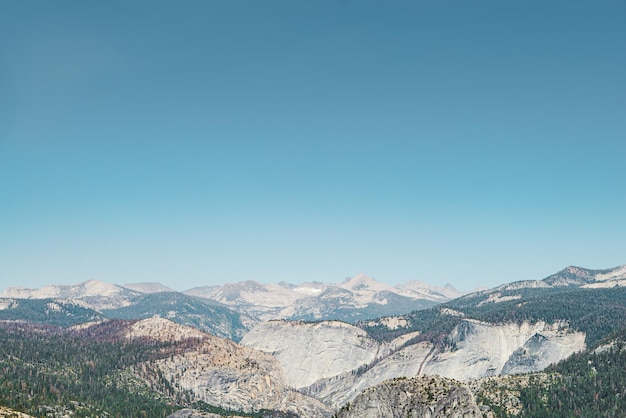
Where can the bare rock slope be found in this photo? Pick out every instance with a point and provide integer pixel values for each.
(308, 352)
(221, 372)
(334, 361)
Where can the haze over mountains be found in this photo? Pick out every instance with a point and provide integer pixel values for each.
(447, 355)
(356, 298)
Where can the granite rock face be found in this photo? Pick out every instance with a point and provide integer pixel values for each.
(334, 361)
(10, 413)
(343, 388)
(308, 352)
(484, 349)
(220, 372)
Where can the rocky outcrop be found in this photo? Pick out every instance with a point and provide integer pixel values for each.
(336, 361)
(10, 413)
(543, 349)
(343, 388)
(423, 397)
(482, 349)
(206, 315)
(308, 352)
(224, 373)
(161, 329)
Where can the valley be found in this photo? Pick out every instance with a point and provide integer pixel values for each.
(493, 353)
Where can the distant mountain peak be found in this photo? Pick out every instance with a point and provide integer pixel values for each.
(578, 276)
(77, 290)
(570, 276)
(362, 277)
(148, 287)
(359, 278)
(93, 293)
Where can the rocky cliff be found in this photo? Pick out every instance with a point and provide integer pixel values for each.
(344, 387)
(334, 361)
(308, 352)
(482, 349)
(10, 413)
(423, 397)
(221, 372)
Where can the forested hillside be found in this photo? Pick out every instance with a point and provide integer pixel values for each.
(48, 371)
(596, 312)
(589, 384)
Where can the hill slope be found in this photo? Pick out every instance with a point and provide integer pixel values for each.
(204, 314)
(150, 368)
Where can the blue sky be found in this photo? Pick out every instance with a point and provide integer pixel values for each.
(203, 142)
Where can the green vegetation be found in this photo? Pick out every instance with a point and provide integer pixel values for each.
(60, 313)
(431, 323)
(204, 314)
(338, 309)
(596, 312)
(46, 371)
(42, 371)
(590, 384)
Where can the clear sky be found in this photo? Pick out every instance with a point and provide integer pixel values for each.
(204, 142)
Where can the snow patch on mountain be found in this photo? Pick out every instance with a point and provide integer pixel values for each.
(368, 290)
(355, 298)
(309, 291)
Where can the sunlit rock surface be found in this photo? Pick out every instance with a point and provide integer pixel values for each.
(308, 352)
(223, 373)
(345, 387)
(334, 362)
(420, 397)
(483, 349)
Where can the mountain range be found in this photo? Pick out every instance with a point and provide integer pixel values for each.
(506, 351)
(235, 308)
